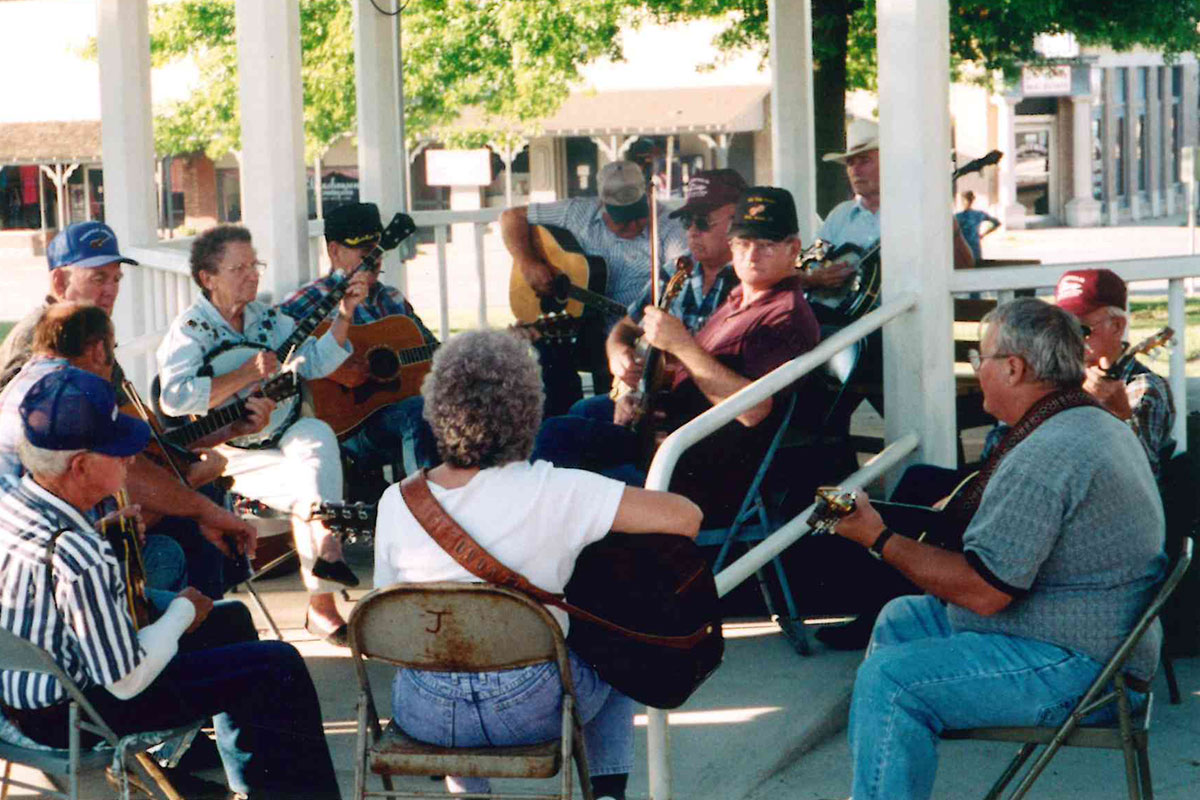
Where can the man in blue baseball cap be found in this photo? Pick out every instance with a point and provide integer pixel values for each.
(77, 448)
(85, 267)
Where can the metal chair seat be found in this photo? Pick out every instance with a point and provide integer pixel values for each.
(1104, 736)
(397, 753)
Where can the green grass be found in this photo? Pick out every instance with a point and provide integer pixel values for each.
(5, 327)
(1149, 314)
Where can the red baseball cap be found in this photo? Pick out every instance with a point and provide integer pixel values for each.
(710, 189)
(1082, 291)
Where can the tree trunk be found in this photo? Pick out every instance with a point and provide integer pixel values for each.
(831, 27)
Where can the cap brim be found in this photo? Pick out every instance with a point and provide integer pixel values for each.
(692, 207)
(100, 261)
(753, 232)
(129, 437)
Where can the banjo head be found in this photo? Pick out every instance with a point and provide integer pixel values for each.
(232, 355)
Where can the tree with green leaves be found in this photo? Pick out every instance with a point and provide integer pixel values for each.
(996, 36)
(511, 61)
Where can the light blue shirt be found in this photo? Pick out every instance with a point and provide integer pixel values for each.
(201, 329)
(628, 260)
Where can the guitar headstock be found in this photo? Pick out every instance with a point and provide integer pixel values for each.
(683, 271)
(353, 519)
(399, 229)
(554, 326)
(833, 503)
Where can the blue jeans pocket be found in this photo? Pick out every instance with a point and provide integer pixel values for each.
(1054, 714)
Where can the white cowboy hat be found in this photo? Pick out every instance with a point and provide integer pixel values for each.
(861, 135)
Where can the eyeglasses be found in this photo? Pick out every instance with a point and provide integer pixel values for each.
(976, 359)
(703, 222)
(1086, 329)
(765, 246)
(244, 269)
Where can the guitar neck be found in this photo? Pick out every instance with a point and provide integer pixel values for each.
(590, 298)
(309, 322)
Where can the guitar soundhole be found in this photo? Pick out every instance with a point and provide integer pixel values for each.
(383, 364)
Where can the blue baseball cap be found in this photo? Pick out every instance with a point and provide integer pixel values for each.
(70, 409)
(85, 244)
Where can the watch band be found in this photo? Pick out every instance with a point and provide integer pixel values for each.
(876, 549)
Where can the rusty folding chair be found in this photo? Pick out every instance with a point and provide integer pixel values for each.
(459, 627)
(1130, 734)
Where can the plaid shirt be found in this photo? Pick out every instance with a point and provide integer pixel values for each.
(382, 301)
(693, 305)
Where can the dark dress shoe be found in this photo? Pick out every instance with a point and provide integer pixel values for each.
(338, 637)
(336, 571)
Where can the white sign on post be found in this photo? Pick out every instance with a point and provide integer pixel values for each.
(458, 167)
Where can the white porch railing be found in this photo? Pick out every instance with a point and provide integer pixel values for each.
(663, 465)
(1172, 268)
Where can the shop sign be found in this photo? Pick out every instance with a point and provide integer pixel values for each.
(1046, 81)
(458, 167)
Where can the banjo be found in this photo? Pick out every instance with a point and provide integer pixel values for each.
(228, 356)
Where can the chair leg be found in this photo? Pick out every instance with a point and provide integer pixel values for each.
(262, 608)
(1011, 770)
(360, 751)
(1172, 684)
(7, 775)
(1143, 758)
(150, 766)
(1128, 748)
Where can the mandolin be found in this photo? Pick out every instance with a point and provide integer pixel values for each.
(124, 540)
(934, 525)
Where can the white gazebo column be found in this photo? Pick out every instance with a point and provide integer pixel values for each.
(1129, 145)
(274, 189)
(1153, 154)
(918, 348)
(1012, 212)
(1170, 170)
(381, 172)
(127, 147)
(793, 143)
(1083, 211)
(1108, 147)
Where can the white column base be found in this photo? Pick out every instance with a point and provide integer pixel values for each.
(1114, 213)
(1156, 205)
(1083, 212)
(1137, 209)
(1170, 200)
(1014, 217)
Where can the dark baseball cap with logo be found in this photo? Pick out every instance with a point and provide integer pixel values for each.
(765, 212)
(710, 189)
(70, 409)
(85, 245)
(354, 224)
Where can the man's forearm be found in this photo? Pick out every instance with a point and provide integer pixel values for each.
(514, 232)
(944, 574)
(718, 381)
(624, 334)
(157, 490)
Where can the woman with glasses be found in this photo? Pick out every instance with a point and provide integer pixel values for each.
(301, 467)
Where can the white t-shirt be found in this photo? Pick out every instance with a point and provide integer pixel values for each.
(533, 518)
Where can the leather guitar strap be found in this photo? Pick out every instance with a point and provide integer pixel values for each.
(459, 545)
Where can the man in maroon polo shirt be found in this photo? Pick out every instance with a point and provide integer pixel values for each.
(764, 323)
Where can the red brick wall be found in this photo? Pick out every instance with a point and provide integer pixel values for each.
(199, 184)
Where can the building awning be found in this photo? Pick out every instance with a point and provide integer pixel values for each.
(50, 142)
(661, 112)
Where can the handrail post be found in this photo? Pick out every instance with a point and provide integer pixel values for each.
(918, 350)
(1177, 319)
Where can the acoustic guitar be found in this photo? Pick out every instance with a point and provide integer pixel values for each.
(397, 359)
(581, 283)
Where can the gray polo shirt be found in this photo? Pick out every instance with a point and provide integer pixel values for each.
(1071, 524)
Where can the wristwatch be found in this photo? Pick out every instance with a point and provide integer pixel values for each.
(876, 549)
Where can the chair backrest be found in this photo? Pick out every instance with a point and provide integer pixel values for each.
(23, 655)
(456, 627)
(1117, 662)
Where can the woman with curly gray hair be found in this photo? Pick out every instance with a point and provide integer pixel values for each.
(483, 399)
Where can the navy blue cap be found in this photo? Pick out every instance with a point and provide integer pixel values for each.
(85, 244)
(70, 409)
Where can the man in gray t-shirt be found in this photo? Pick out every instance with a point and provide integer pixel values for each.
(1060, 558)
(614, 227)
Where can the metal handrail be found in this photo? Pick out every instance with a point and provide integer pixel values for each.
(1024, 277)
(673, 447)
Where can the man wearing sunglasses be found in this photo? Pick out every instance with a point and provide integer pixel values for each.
(614, 227)
(711, 198)
(1137, 395)
(351, 232)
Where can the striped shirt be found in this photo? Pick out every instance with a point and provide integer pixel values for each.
(73, 607)
(382, 301)
(628, 260)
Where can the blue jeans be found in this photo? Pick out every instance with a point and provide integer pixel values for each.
(166, 570)
(920, 677)
(519, 706)
(587, 442)
(396, 432)
(205, 564)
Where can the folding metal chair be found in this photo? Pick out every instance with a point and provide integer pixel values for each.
(1130, 733)
(459, 627)
(18, 654)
